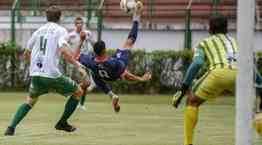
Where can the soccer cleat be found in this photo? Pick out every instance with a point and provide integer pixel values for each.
(177, 98)
(10, 131)
(115, 103)
(65, 127)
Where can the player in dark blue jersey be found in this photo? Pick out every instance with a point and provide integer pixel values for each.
(111, 68)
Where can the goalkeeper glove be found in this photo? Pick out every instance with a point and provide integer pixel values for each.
(178, 96)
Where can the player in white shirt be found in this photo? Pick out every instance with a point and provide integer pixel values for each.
(43, 51)
(76, 41)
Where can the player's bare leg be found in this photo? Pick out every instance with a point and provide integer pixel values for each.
(115, 101)
(84, 85)
(191, 117)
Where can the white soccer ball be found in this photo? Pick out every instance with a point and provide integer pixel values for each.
(128, 6)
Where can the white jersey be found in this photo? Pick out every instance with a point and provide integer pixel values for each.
(74, 40)
(45, 45)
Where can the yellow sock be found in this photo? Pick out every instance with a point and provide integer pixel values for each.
(190, 121)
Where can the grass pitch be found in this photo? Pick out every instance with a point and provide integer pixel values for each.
(143, 120)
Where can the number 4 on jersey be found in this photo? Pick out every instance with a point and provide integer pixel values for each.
(43, 42)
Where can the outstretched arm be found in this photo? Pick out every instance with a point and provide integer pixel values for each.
(191, 73)
(131, 77)
(67, 54)
(194, 67)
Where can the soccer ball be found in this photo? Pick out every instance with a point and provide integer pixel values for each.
(130, 6)
(258, 123)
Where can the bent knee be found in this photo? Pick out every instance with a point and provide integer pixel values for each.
(194, 100)
(78, 93)
(31, 101)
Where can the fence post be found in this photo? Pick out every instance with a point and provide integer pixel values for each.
(13, 40)
(188, 31)
(100, 19)
(89, 12)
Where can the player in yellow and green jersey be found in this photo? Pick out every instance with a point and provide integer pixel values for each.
(218, 51)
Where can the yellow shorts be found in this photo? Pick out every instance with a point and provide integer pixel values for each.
(215, 82)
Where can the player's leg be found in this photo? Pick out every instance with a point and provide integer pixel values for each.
(84, 85)
(209, 86)
(191, 117)
(200, 93)
(37, 88)
(67, 87)
(92, 83)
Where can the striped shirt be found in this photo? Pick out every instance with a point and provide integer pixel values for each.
(220, 50)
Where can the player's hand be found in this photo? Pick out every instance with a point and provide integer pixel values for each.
(179, 95)
(147, 76)
(83, 72)
(82, 36)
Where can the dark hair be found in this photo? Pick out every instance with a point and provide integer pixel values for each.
(53, 14)
(218, 24)
(79, 19)
(99, 47)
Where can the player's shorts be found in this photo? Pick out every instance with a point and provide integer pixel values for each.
(123, 56)
(62, 85)
(215, 82)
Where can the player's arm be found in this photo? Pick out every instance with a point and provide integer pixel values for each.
(191, 73)
(77, 51)
(90, 38)
(194, 67)
(29, 47)
(70, 58)
(133, 33)
(84, 36)
(67, 54)
(131, 77)
(27, 55)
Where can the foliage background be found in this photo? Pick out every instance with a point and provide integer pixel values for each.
(167, 68)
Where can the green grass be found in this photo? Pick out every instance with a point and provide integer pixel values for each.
(143, 120)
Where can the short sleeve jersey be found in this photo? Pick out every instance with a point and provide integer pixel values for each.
(74, 39)
(219, 49)
(45, 45)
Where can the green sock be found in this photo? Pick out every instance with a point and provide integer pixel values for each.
(82, 100)
(70, 107)
(20, 114)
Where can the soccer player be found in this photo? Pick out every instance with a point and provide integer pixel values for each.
(105, 68)
(43, 51)
(80, 38)
(219, 52)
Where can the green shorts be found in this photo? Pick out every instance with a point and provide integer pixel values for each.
(62, 85)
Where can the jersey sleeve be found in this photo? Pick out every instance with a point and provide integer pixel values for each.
(63, 38)
(31, 42)
(102, 85)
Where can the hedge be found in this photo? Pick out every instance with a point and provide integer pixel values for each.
(167, 68)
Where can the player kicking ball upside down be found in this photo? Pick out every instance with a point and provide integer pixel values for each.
(219, 52)
(43, 51)
(111, 68)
